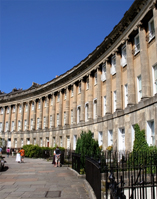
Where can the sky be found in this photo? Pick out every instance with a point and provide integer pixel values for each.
(40, 39)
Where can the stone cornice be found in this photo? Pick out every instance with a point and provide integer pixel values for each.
(73, 74)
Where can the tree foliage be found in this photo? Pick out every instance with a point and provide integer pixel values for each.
(87, 146)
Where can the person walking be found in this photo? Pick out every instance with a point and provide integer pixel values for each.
(8, 151)
(18, 156)
(22, 153)
(57, 157)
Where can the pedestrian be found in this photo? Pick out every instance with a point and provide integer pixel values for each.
(22, 153)
(0, 150)
(18, 156)
(57, 157)
(8, 151)
(12, 151)
(53, 161)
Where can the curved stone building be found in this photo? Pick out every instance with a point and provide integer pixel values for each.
(108, 92)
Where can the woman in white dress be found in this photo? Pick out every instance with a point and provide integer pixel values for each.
(18, 157)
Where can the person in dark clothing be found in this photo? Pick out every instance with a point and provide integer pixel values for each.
(57, 157)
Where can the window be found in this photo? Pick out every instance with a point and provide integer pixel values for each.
(12, 126)
(45, 102)
(44, 123)
(41, 142)
(6, 126)
(95, 108)
(86, 112)
(57, 119)
(31, 124)
(72, 91)
(25, 125)
(100, 139)
(65, 94)
(71, 116)
(95, 78)
(139, 87)
(74, 142)
(110, 138)
(28, 141)
(2, 110)
(104, 105)
(78, 113)
(7, 109)
(103, 76)
(50, 121)
(20, 109)
(54, 141)
(151, 29)
(113, 65)
(0, 126)
(123, 59)
(32, 106)
(13, 109)
(126, 94)
(79, 87)
(39, 104)
(61, 141)
(26, 107)
(38, 123)
(150, 133)
(51, 100)
(137, 44)
(58, 97)
(133, 135)
(68, 142)
(87, 83)
(64, 118)
(19, 125)
(34, 141)
(155, 79)
(15, 142)
(121, 139)
(114, 101)
(47, 142)
(21, 142)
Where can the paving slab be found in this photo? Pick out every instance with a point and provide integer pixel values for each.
(36, 178)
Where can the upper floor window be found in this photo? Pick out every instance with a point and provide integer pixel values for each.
(2, 110)
(95, 108)
(58, 97)
(7, 109)
(72, 91)
(44, 122)
(103, 76)
(87, 83)
(25, 127)
(20, 109)
(137, 44)
(155, 79)
(6, 126)
(12, 126)
(139, 87)
(45, 102)
(151, 29)
(64, 118)
(126, 94)
(0, 126)
(113, 65)
(95, 78)
(72, 116)
(52, 100)
(79, 87)
(38, 123)
(13, 109)
(26, 107)
(19, 125)
(86, 112)
(31, 124)
(32, 106)
(104, 105)
(39, 104)
(78, 114)
(114, 100)
(123, 59)
(57, 119)
(50, 121)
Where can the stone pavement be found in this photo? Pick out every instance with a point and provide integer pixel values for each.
(37, 178)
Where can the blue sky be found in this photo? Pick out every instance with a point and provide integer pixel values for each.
(40, 39)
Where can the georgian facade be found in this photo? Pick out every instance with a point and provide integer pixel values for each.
(108, 92)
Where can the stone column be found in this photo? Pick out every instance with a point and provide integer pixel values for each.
(53, 110)
(34, 115)
(47, 112)
(74, 104)
(118, 83)
(108, 89)
(15, 120)
(155, 24)
(9, 122)
(82, 119)
(22, 116)
(67, 105)
(28, 115)
(99, 90)
(60, 108)
(145, 73)
(130, 74)
(3, 123)
(41, 113)
(90, 97)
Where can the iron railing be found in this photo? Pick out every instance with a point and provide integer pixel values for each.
(76, 163)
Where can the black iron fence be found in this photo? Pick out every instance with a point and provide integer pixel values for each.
(126, 175)
(76, 162)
